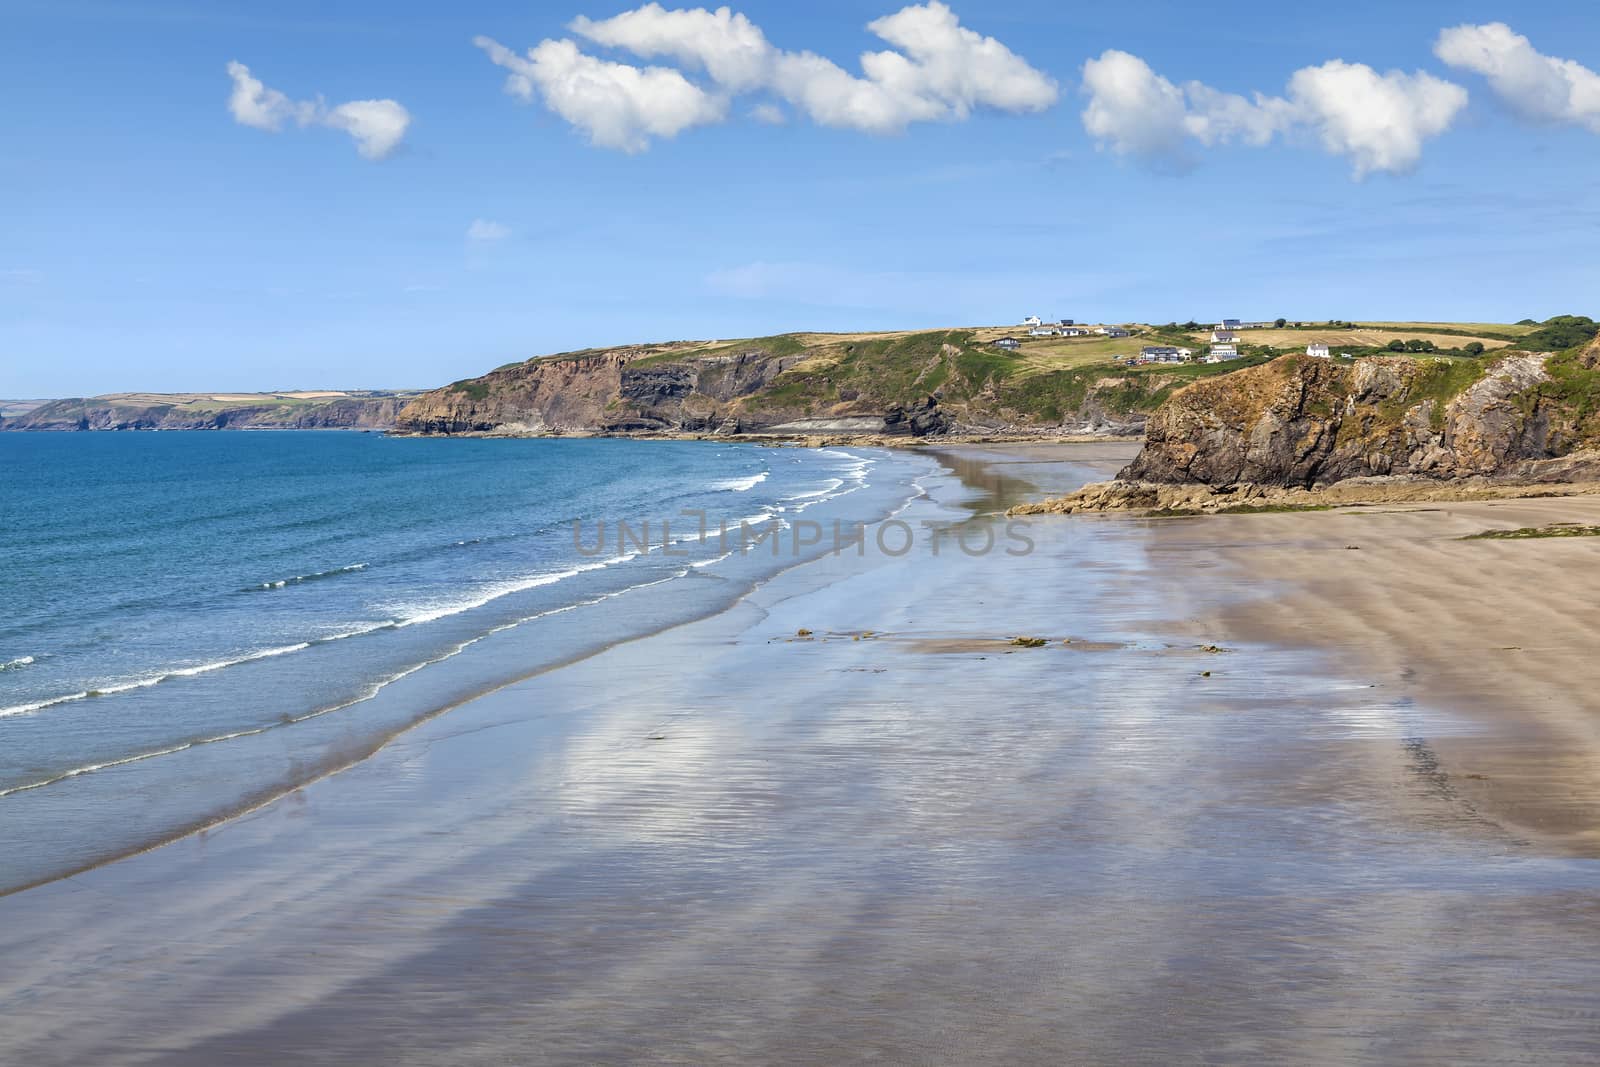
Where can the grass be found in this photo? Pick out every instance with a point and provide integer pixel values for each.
(1560, 529)
(1369, 336)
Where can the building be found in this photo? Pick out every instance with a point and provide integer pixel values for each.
(1164, 354)
(1033, 320)
(1068, 322)
(1074, 331)
(1320, 350)
(1228, 324)
(1010, 344)
(1044, 331)
(1221, 353)
(1112, 331)
(1220, 336)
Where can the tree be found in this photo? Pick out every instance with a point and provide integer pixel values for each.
(1397, 346)
(1473, 348)
(1281, 323)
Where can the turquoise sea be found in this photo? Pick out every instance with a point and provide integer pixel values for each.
(193, 623)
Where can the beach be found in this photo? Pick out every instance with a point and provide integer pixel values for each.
(1313, 788)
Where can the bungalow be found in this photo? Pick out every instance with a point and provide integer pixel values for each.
(1074, 331)
(1113, 331)
(1220, 353)
(1164, 354)
(1044, 331)
(1068, 322)
(1320, 350)
(1010, 344)
(1219, 336)
(1229, 324)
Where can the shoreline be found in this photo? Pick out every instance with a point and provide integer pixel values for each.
(1161, 836)
(415, 696)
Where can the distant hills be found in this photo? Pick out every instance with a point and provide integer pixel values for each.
(309, 410)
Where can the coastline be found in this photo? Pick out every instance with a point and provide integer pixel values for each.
(896, 837)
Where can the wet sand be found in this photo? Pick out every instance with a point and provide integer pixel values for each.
(1205, 822)
(1502, 631)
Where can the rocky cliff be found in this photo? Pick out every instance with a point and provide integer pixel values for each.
(193, 411)
(907, 384)
(1306, 422)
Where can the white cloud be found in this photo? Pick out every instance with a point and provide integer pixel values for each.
(486, 230)
(1538, 86)
(377, 126)
(940, 71)
(617, 105)
(1379, 121)
(771, 114)
(723, 43)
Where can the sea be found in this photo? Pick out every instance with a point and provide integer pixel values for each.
(195, 624)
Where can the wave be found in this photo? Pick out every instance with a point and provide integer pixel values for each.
(421, 613)
(740, 485)
(16, 664)
(833, 483)
(301, 578)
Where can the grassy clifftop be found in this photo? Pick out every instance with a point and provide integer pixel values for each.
(807, 380)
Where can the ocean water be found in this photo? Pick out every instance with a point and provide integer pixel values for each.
(193, 623)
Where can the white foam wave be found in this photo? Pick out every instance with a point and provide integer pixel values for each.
(416, 614)
(299, 579)
(740, 485)
(833, 483)
(16, 664)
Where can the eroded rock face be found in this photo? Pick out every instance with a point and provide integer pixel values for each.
(634, 391)
(1305, 422)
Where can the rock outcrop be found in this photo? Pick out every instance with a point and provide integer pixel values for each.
(1307, 422)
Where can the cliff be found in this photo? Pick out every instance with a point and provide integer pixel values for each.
(219, 411)
(1308, 422)
(904, 384)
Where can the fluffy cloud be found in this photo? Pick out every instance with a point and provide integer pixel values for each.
(486, 230)
(1538, 86)
(377, 126)
(1379, 121)
(939, 71)
(617, 105)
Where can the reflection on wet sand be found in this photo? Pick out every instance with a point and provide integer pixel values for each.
(722, 844)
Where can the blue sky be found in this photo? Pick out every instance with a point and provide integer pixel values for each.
(150, 239)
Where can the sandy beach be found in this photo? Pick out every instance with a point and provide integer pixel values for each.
(1313, 788)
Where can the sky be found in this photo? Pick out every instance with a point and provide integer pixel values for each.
(204, 195)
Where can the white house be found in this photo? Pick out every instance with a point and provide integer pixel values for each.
(1112, 331)
(1219, 353)
(1010, 344)
(1220, 336)
(1320, 350)
(1228, 324)
(1164, 354)
(1074, 331)
(1033, 320)
(1044, 331)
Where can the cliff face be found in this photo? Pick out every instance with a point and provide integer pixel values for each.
(365, 411)
(1302, 422)
(621, 390)
(916, 384)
